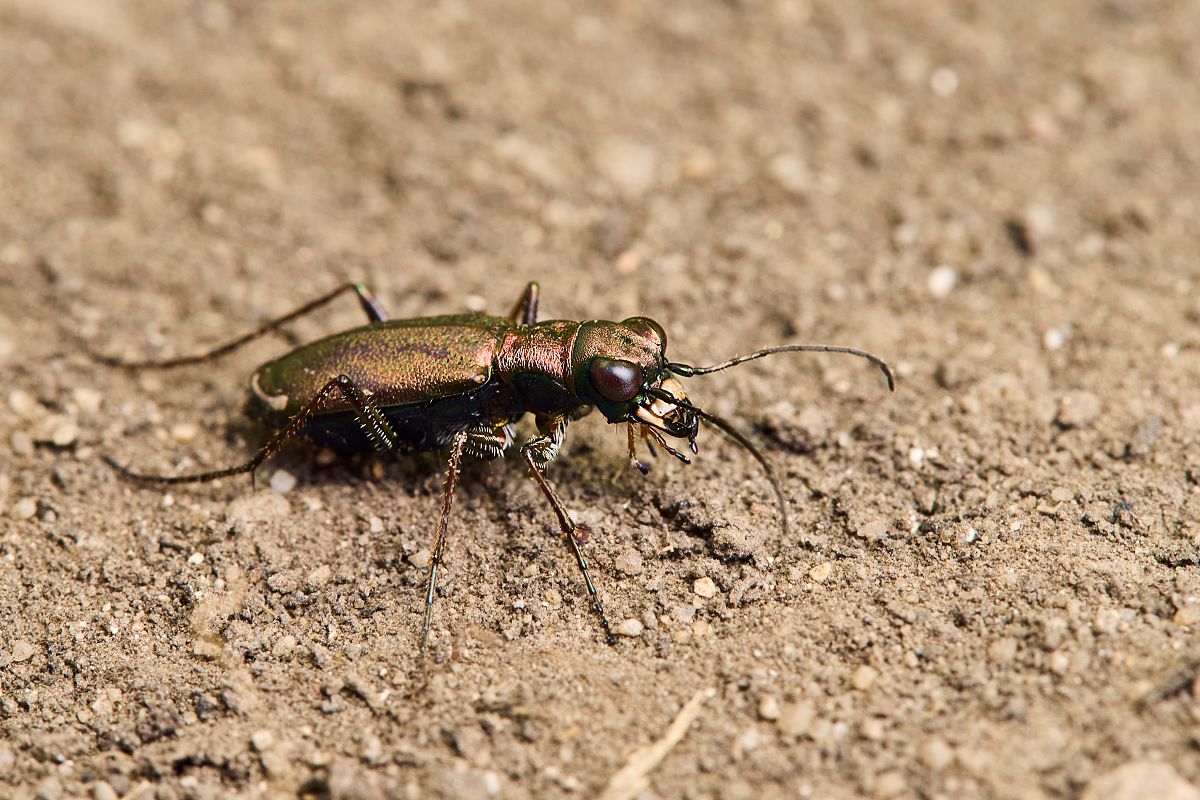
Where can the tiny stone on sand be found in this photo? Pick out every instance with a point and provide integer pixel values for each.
(942, 281)
(283, 481)
(630, 627)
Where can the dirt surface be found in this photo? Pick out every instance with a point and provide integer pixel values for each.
(990, 588)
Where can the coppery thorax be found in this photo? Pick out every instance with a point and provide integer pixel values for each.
(535, 361)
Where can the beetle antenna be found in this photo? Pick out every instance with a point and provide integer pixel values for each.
(688, 371)
(737, 437)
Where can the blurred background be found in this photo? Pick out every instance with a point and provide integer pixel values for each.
(991, 591)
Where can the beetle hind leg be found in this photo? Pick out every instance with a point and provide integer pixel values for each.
(372, 420)
(374, 311)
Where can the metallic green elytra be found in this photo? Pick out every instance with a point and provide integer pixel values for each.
(463, 381)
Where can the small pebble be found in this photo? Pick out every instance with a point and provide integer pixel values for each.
(88, 400)
(1003, 651)
(318, 577)
(749, 740)
(705, 587)
(873, 531)
(284, 646)
(283, 481)
(21, 443)
(22, 404)
(23, 509)
(701, 628)
(796, 718)
(103, 790)
(942, 281)
(56, 429)
(872, 729)
(553, 598)
(374, 524)
(1107, 620)
(768, 707)
(262, 740)
(944, 81)
(1054, 339)
(1136, 780)
(936, 754)
(22, 650)
(630, 627)
(790, 172)
(889, 784)
(1062, 495)
(864, 678)
(1078, 409)
(48, 788)
(196, 558)
(184, 432)
(821, 572)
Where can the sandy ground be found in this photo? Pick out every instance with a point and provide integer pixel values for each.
(991, 585)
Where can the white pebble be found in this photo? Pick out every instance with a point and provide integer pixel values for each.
(864, 678)
(630, 627)
(1054, 339)
(262, 740)
(196, 558)
(24, 508)
(283, 481)
(943, 81)
(790, 172)
(705, 587)
(184, 432)
(22, 403)
(88, 400)
(942, 280)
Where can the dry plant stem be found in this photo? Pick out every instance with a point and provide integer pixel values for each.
(632, 779)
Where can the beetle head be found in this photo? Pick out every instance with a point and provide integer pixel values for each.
(621, 369)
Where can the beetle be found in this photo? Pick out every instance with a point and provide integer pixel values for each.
(463, 381)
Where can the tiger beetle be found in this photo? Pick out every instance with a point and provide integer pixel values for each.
(463, 381)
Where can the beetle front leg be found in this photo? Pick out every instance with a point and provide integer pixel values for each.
(538, 452)
(525, 311)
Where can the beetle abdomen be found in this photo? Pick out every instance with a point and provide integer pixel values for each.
(395, 363)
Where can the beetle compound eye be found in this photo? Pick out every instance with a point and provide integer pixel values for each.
(615, 380)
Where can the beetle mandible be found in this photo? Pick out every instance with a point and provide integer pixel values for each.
(463, 381)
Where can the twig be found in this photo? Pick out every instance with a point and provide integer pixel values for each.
(631, 780)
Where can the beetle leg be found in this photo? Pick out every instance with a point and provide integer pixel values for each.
(525, 311)
(374, 423)
(631, 429)
(453, 468)
(374, 311)
(537, 452)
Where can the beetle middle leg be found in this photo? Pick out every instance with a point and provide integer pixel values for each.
(538, 452)
(484, 442)
(525, 311)
(373, 422)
